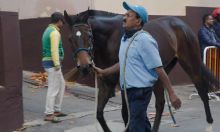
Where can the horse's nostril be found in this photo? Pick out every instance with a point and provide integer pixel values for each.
(85, 71)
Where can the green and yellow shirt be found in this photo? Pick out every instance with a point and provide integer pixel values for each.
(52, 47)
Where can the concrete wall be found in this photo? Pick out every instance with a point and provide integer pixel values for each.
(43, 8)
(11, 105)
(156, 7)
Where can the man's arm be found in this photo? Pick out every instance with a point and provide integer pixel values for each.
(163, 77)
(204, 38)
(107, 71)
(54, 40)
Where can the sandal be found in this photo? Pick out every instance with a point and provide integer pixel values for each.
(59, 114)
(52, 118)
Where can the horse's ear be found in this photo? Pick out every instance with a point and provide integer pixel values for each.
(88, 9)
(68, 18)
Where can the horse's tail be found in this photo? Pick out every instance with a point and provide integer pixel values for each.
(208, 80)
(213, 83)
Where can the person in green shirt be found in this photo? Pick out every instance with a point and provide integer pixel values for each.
(53, 55)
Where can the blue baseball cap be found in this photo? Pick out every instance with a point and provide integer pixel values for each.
(141, 11)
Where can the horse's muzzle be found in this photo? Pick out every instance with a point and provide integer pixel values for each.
(85, 69)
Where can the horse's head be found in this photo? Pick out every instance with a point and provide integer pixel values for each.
(81, 39)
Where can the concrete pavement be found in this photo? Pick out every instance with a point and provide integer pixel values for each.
(79, 104)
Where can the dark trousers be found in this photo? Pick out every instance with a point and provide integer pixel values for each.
(138, 99)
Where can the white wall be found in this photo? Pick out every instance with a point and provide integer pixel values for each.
(43, 8)
(156, 7)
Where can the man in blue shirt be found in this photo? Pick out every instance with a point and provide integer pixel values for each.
(207, 35)
(140, 67)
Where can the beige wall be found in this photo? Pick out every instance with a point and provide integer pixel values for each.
(43, 8)
(156, 7)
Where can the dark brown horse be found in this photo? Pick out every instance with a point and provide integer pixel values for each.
(99, 33)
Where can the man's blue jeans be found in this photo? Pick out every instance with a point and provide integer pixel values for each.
(138, 99)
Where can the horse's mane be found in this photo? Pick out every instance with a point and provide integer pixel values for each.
(84, 16)
(97, 13)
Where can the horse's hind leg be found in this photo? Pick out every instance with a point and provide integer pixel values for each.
(201, 84)
(159, 95)
(103, 97)
(203, 93)
(191, 62)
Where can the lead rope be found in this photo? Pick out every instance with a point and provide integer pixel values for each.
(124, 80)
(169, 107)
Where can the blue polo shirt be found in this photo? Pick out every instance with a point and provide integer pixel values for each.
(143, 58)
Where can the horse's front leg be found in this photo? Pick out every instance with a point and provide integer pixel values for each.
(103, 97)
(160, 101)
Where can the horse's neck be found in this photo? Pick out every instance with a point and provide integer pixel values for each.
(103, 13)
(100, 22)
(107, 18)
(105, 25)
(107, 33)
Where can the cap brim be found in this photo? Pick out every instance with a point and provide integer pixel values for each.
(126, 6)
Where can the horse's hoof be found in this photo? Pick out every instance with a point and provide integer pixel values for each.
(209, 128)
(174, 125)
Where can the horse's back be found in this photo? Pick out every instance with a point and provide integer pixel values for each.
(171, 34)
(162, 31)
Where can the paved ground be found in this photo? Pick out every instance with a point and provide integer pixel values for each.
(80, 106)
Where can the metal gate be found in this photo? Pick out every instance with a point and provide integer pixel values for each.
(211, 58)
